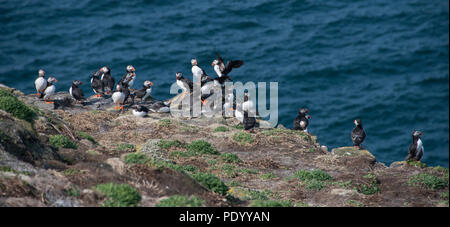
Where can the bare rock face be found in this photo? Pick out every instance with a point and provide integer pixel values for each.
(117, 165)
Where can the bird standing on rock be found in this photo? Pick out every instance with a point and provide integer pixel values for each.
(118, 98)
(129, 77)
(145, 92)
(76, 92)
(40, 83)
(50, 90)
(301, 122)
(107, 80)
(358, 134)
(416, 148)
(97, 84)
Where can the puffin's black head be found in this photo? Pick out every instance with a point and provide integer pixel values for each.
(41, 73)
(358, 122)
(77, 83)
(193, 61)
(245, 97)
(215, 62)
(417, 134)
(136, 107)
(52, 80)
(303, 111)
(130, 69)
(118, 87)
(96, 74)
(179, 75)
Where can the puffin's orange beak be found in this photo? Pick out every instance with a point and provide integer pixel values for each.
(151, 83)
(212, 64)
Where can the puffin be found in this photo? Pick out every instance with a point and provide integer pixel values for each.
(40, 83)
(126, 91)
(118, 98)
(50, 90)
(76, 92)
(140, 111)
(129, 77)
(184, 83)
(160, 107)
(302, 120)
(199, 73)
(249, 122)
(145, 92)
(416, 148)
(222, 70)
(358, 134)
(97, 84)
(107, 80)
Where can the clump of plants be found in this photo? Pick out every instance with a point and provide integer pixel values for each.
(201, 147)
(126, 147)
(221, 129)
(15, 107)
(313, 179)
(230, 158)
(167, 144)
(61, 141)
(268, 176)
(119, 195)
(243, 138)
(84, 135)
(428, 181)
(370, 186)
(136, 158)
(211, 182)
(270, 203)
(165, 122)
(181, 201)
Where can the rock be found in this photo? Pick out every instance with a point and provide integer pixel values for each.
(343, 192)
(117, 165)
(397, 164)
(354, 158)
(324, 148)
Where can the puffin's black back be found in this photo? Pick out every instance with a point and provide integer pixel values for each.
(249, 122)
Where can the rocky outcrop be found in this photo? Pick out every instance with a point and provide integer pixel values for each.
(212, 159)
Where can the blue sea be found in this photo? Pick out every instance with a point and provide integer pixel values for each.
(384, 61)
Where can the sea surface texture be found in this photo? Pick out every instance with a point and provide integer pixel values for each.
(384, 61)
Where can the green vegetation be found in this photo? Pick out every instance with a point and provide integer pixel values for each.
(313, 179)
(126, 147)
(211, 182)
(181, 201)
(270, 203)
(201, 147)
(243, 137)
(62, 141)
(230, 158)
(70, 172)
(221, 129)
(165, 122)
(87, 136)
(370, 187)
(268, 176)
(229, 170)
(257, 195)
(167, 144)
(239, 126)
(189, 168)
(136, 158)
(119, 195)
(248, 171)
(354, 203)
(14, 106)
(416, 163)
(428, 181)
(72, 192)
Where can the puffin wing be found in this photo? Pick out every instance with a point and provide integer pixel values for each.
(188, 82)
(412, 151)
(232, 64)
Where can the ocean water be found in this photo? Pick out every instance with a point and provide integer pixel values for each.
(383, 61)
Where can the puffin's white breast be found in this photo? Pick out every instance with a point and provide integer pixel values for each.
(139, 114)
(217, 70)
(40, 84)
(181, 84)
(118, 97)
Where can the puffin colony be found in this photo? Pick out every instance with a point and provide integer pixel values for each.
(104, 86)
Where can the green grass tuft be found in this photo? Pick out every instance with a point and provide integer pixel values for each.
(230, 158)
(428, 181)
(14, 106)
(221, 129)
(136, 158)
(370, 187)
(211, 182)
(126, 147)
(84, 135)
(167, 144)
(181, 201)
(313, 179)
(270, 203)
(201, 147)
(243, 137)
(61, 141)
(268, 176)
(119, 195)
